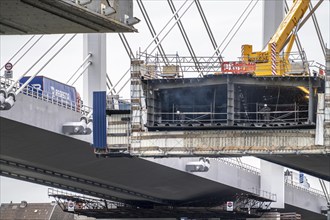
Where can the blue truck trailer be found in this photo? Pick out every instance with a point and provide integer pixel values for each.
(53, 89)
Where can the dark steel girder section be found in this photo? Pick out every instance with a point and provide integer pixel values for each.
(76, 180)
(237, 79)
(54, 17)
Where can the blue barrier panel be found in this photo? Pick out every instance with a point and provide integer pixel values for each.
(99, 120)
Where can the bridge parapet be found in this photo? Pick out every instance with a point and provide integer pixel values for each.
(43, 113)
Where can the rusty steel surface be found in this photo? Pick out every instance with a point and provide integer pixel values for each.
(213, 143)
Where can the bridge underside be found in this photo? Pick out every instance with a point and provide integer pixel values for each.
(67, 163)
(314, 164)
(54, 17)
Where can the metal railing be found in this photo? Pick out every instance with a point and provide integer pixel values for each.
(264, 194)
(45, 96)
(251, 118)
(243, 166)
(298, 186)
(181, 66)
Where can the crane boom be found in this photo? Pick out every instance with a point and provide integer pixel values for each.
(269, 62)
(290, 21)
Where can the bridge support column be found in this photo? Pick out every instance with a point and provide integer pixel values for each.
(273, 12)
(272, 181)
(95, 75)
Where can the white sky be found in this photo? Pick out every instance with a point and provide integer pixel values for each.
(221, 15)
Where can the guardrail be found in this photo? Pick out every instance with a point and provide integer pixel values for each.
(309, 190)
(240, 165)
(264, 194)
(45, 96)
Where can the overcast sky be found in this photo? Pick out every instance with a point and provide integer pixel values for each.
(221, 14)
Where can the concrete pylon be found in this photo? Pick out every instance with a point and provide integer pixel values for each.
(95, 75)
(273, 13)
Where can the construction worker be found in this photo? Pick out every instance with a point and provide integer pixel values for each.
(265, 111)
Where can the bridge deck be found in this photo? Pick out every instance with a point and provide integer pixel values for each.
(54, 17)
(31, 152)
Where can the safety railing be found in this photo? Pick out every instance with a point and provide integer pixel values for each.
(276, 118)
(33, 92)
(181, 66)
(263, 194)
(6, 83)
(243, 166)
(298, 186)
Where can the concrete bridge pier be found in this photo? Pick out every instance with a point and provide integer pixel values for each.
(94, 78)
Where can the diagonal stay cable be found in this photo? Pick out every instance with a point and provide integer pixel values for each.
(156, 45)
(256, 2)
(81, 65)
(28, 50)
(82, 72)
(234, 26)
(305, 19)
(50, 59)
(242, 22)
(154, 39)
(208, 29)
(185, 37)
(169, 23)
(297, 40)
(126, 45)
(49, 49)
(152, 30)
(318, 30)
(28, 41)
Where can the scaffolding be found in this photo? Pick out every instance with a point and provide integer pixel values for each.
(244, 205)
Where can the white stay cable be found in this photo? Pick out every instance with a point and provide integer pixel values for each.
(12, 85)
(18, 51)
(29, 80)
(28, 50)
(153, 40)
(214, 54)
(178, 19)
(175, 14)
(239, 27)
(82, 64)
(113, 88)
(82, 72)
(230, 31)
(122, 87)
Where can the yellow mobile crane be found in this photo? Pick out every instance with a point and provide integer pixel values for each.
(269, 62)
